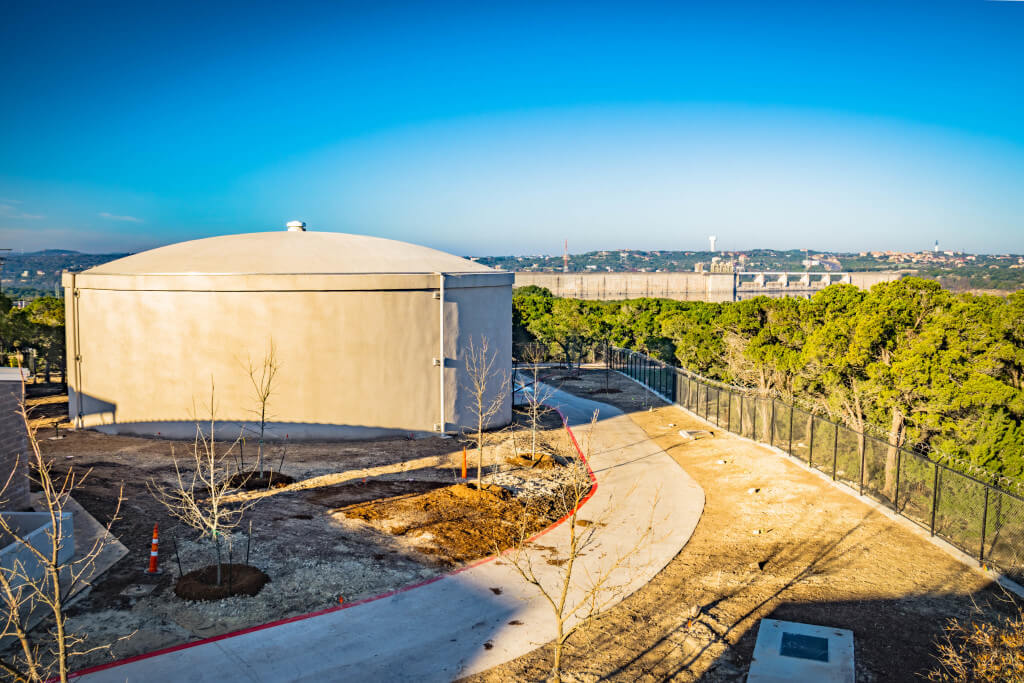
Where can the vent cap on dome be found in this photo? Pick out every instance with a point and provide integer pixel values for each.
(296, 226)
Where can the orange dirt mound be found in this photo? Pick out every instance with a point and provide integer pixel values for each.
(461, 523)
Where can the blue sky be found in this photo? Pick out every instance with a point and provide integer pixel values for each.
(507, 128)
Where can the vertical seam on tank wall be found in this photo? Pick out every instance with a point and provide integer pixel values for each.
(76, 336)
(442, 354)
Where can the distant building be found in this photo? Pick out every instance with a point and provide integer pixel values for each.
(723, 267)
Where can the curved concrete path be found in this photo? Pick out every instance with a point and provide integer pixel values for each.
(475, 618)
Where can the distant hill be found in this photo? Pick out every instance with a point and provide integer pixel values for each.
(34, 273)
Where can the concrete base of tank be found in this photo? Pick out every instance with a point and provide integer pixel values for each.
(276, 431)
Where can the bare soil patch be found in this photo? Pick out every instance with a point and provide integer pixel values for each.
(254, 480)
(774, 541)
(236, 579)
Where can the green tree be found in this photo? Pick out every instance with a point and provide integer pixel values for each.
(834, 377)
(926, 367)
(45, 317)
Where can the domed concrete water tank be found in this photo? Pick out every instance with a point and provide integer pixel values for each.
(370, 334)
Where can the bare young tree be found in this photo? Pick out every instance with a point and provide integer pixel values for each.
(487, 385)
(575, 601)
(263, 378)
(535, 394)
(37, 583)
(200, 498)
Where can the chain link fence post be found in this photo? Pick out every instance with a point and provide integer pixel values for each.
(835, 451)
(791, 411)
(863, 448)
(753, 427)
(984, 524)
(896, 493)
(810, 443)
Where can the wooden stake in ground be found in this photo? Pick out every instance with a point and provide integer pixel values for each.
(487, 385)
(38, 583)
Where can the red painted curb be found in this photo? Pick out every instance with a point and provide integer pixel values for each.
(271, 624)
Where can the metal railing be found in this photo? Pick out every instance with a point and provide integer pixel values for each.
(982, 520)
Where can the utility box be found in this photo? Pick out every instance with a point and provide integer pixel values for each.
(789, 651)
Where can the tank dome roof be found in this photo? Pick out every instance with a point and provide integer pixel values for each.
(288, 252)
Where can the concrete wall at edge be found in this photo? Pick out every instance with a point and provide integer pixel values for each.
(353, 364)
(714, 287)
(616, 285)
(868, 280)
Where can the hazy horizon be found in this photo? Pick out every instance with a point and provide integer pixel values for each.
(558, 254)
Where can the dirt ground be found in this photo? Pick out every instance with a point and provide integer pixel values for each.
(774, 541)
(362, 518)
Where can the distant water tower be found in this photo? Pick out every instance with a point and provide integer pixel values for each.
(936, 248)
(712, 239)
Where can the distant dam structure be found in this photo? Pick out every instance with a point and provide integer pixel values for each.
(710, 287)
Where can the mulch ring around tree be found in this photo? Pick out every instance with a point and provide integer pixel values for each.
(253, 480)
(236, 579)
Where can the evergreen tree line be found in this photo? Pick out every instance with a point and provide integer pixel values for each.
(909, 361)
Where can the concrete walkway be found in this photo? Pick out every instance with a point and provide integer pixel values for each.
(475, 618)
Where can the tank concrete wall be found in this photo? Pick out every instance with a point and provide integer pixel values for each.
(353, 363)
(476, 314)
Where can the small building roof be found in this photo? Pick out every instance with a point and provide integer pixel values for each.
(289, 252)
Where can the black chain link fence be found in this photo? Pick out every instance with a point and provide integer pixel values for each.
(983, 521)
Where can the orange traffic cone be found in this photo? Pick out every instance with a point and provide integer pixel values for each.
(463, 462)
(154, 552)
